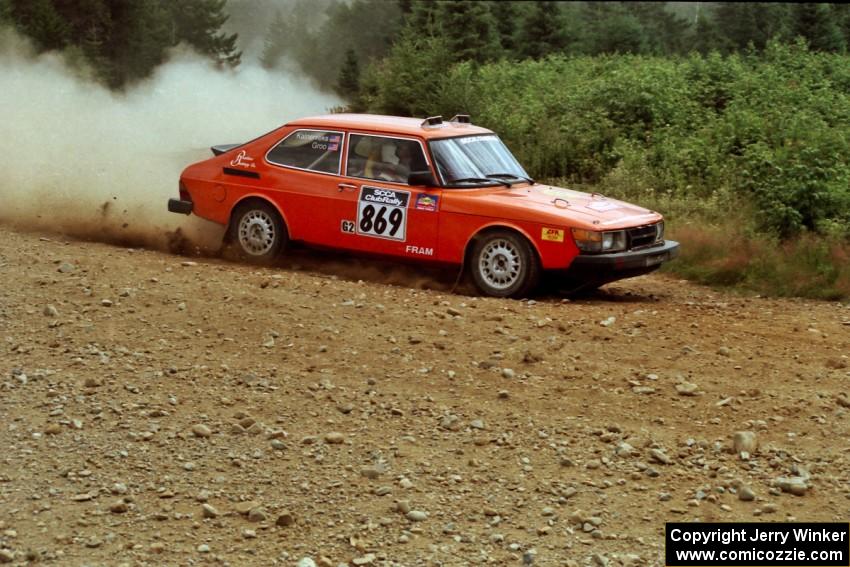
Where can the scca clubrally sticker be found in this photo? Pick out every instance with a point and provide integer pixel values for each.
(382, 213)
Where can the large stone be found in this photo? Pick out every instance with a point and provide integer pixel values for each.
(795, 485)
(201, 430)
(745, 442)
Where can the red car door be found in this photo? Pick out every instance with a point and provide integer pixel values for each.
(383, 214)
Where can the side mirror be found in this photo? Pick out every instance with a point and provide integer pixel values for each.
(421, 178)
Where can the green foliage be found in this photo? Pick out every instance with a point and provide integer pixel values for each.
(348, 83)
(365, 26)
(756, 23)
(468, 29)
(124, 40)
(197, 22)
(541, 31)
(817, 23)
(768, 131)
(42, 22)
(410, 81)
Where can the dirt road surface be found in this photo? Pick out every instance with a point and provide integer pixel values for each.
(158, 409)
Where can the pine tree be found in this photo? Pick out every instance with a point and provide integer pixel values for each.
(705, 36)
(420, 16)
(348, 81)
(665, 32)
(506, 14)
(41, 22)
(276, 42)
(540, 31)
(742, 23)
(819, 26)
(199, 23)
(5, 11)
(609, 27)
(469, 30)
(140, 34)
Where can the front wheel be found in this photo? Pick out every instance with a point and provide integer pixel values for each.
(504, 265)
(257, 232)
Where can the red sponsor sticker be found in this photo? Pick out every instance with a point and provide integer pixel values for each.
(425, 202)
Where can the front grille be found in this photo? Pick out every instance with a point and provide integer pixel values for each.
(641, 237)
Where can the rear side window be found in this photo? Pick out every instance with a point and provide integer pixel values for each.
(313, 150)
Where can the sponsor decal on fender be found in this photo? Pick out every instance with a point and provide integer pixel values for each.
(425, 202)
(552, 234)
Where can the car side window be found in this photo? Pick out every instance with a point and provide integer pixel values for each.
(384, 159)
(313, 150)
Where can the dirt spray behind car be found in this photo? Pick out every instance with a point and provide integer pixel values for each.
(96, 164)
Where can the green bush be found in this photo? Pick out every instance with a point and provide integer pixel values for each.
(770, 131)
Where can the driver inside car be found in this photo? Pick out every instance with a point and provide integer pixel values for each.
(388, 162)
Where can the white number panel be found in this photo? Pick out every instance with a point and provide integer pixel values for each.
(382, 213)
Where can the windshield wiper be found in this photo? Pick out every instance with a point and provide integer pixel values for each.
(476, 180)
(497, 175)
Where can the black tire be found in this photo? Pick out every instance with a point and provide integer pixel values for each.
(256, 234)
(503, 264)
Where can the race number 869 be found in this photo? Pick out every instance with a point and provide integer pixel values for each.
(382, 213)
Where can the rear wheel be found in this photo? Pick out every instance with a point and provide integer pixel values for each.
(257, 233)
(504, 265)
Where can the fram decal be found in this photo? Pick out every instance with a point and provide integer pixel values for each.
(243, 160)
(552, 234)
(419, 250)
(425, 202)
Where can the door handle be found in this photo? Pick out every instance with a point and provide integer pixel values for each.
(346, 187)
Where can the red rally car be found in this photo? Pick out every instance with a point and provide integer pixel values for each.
(434, 191)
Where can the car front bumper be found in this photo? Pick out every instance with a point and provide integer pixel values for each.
(181, 207)
(598, 269)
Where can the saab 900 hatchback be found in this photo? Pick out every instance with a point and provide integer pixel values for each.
(441, 192)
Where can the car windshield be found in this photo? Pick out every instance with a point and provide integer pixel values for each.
(476, 160)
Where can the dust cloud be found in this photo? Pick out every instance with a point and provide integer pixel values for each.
(95, 164)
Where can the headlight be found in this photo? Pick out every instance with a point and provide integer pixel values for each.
(659, 232)
(593, 241)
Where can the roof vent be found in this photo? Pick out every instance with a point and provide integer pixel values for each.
(461, 119)
(432, 122)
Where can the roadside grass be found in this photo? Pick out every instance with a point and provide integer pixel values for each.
(811, 266)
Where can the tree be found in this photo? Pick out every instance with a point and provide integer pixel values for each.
(420, 15)
(140, 34)
(199, 23)
(817, 23)
(611, 28)
(125, 40)
(540, 31)
(276, 42)
(705, 36)
(665, 32)
(41, 22)
(742, 23)
(348, 82)
(469, 30)
(506, 13)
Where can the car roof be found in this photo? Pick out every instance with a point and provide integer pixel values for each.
(390, 125)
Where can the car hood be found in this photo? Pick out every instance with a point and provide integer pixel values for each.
(546, 203)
